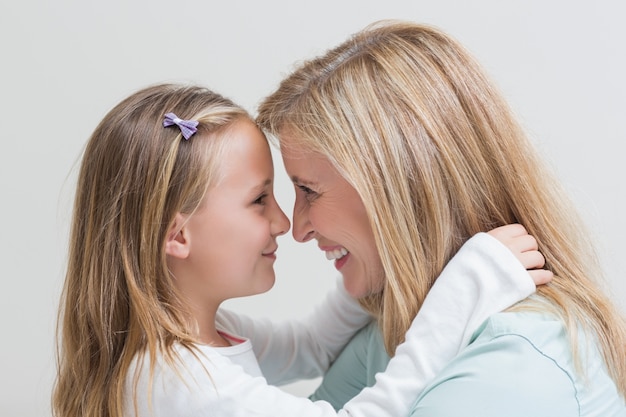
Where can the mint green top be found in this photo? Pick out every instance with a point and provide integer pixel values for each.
(517, 365)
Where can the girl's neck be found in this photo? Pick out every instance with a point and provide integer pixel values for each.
(207, 332)
(213, 338)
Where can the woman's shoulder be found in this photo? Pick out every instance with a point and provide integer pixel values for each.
(521, 363)
(545, 332)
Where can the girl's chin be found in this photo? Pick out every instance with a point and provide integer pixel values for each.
(263, 285)
(268, 286)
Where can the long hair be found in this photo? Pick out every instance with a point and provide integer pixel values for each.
(408, 117)
(119, 298)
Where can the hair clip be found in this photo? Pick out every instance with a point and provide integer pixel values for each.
(187, 127)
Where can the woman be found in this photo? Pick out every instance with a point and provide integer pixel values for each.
(401, 149)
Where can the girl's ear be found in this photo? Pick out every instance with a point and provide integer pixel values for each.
(176, 241)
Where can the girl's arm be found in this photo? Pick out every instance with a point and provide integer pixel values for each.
(300, 349)
(303, 349)
(483, 278)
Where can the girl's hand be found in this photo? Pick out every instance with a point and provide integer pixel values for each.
(525, 249)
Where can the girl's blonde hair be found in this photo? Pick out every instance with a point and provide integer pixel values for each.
(411, 121)
(119, 298)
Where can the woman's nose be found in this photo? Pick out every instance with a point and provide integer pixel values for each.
(302, 228)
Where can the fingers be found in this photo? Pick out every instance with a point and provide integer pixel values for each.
(508, 231)
(531, 258)
(541, 276)
(526, 249)
(524, 243)
(517, 239)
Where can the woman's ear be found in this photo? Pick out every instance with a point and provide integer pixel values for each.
(176, 241)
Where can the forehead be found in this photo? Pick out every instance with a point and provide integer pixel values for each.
(246, 152)
(303, 162)
(294, 147)
(309, 168)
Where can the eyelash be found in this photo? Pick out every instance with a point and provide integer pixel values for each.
(260, 200)
(308, 193)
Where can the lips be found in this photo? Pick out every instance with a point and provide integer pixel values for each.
(339, 263)
(334, 252)
(271, 252)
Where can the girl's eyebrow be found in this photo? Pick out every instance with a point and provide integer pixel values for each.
(262, 186)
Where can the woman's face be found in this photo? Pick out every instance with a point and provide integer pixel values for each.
(328, 209)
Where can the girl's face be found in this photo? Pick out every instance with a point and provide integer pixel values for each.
(327, 208)
(232, 235)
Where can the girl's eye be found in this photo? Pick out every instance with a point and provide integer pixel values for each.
(260, 200)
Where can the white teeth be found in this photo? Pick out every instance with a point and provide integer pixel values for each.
(336, 254)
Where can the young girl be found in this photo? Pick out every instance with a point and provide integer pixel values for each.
(175, 213)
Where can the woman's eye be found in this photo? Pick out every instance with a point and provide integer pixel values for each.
(308, 193)
(305, 189)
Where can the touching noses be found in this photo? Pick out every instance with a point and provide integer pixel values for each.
(302, 228)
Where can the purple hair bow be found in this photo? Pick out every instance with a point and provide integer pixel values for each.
(187, 127)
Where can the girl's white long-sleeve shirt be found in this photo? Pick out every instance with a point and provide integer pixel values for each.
(483, 278)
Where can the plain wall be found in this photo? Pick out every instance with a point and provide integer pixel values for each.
(561, 64)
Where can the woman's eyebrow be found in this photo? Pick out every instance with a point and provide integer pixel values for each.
(297, 180)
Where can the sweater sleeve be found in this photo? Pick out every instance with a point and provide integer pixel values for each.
(299, 349)
(483, 278)
(484, 272)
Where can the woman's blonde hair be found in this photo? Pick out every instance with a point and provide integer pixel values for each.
(410, 120)
(119, 298)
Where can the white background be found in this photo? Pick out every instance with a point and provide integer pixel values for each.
(561, 63)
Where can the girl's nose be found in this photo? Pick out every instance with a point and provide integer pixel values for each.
(280, 223)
